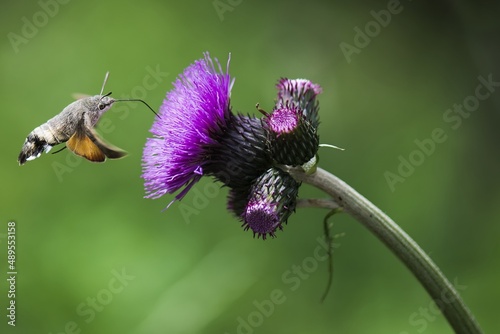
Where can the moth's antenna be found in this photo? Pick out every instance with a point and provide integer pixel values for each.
(104, 83)
(103, 96)
(139, 100)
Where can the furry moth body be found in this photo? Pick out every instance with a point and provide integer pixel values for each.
(75, 127)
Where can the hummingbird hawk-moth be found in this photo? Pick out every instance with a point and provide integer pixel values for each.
(75, 127)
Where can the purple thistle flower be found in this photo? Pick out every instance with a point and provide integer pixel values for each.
(194, 113)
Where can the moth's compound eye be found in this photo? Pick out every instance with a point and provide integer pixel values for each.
(101, 106)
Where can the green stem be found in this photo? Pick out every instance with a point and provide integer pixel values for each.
(408, 251)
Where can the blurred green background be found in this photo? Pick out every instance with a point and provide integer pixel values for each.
(82, 225)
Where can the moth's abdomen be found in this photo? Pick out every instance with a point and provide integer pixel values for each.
(32, 148)
(39, 140)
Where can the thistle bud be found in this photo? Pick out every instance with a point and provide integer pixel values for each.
(272, 200)
(292, 139)
(302, 94)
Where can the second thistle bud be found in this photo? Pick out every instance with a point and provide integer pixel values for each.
(292, 139)
(272, 200)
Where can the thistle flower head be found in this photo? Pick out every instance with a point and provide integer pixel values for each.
(191, 116)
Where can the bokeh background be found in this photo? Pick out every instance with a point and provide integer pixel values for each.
(82, 225)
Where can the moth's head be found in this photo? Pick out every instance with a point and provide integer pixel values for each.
(101, 103)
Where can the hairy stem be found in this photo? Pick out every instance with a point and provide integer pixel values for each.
(420, 264)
